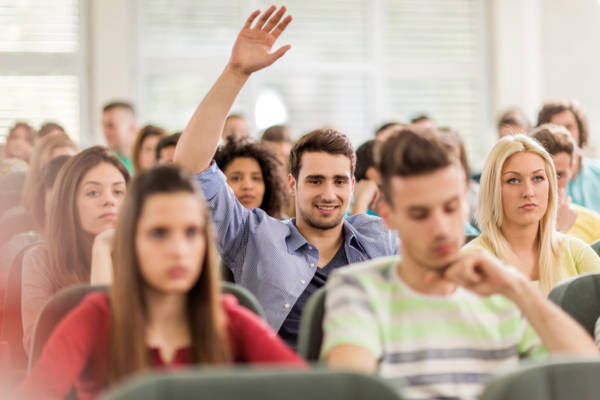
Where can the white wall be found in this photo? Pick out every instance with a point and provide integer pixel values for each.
(571, 56)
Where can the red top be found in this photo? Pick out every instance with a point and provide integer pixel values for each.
(76, 351)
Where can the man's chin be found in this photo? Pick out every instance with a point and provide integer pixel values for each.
(325, 223)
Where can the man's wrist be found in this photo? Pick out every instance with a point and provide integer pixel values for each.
(237, 73)
(518, 288)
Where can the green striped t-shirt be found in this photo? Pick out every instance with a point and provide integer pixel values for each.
(440, 346)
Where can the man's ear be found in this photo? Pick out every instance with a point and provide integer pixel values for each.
(291, 185)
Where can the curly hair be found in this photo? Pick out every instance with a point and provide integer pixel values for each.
(556, 107)
(275, 197)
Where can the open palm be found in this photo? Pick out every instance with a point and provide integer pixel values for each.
(252, 49)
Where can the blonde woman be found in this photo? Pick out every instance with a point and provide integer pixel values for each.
(517, 215)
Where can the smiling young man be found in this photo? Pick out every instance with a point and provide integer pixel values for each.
(281, 262)
(412, 318)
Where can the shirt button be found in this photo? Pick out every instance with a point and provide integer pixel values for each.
(312, 265)
(303, 281)
(287, 305)
(310, 247)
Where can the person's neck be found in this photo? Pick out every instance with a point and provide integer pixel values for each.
(167, 319)
(327, 241)
(424, 280)
(520, 237)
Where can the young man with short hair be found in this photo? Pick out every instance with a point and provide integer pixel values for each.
(165, 149)
(281, 262)
(437, 321)
(119, 127)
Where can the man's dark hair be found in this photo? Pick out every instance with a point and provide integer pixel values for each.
(275, 197)
(387, 125)
(514, 117)
(554, 138)
(409, 153)
(364, 159)
(166, 141)
(419, 118)
(321, 140)
(277, 133)
(119, 104)
(550, 109)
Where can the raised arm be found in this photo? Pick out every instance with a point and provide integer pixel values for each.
(251, 52)
(484, 275)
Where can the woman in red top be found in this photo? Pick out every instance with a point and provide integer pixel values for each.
(164, 307)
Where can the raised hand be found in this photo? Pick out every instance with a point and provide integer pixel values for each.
(252, 48)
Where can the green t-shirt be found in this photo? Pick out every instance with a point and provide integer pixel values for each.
(126, 161)
(434, 346)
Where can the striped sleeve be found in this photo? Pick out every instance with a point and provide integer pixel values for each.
(349, 316)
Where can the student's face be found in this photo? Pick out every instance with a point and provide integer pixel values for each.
(563, 165)
(323, 189)
(147, 157)
(170, 242)
(568, 120)
(524, 189)
(118, 125)
(18, 145)
(246, 179)
(167, 155)
(99, 198)
(236, 127)
(428, 214)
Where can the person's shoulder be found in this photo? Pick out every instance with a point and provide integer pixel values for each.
(571, 243)
(97, 300)
(590, 165)
(36, 257)
(477, 244)
(587, 214)
(377, 268)
(363, 222)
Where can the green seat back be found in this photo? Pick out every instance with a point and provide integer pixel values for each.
(255, 385)
(310, 336)
(580, 298)
(244, 297)
(556, 380)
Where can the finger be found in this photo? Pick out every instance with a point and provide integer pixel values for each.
(281, 27)
(279, 53)
(263, 18)
(251, 19)
(275, 19)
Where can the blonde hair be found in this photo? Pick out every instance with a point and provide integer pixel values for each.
(490, 210)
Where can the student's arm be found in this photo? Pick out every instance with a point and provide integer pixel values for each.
(350, 327)
(101, 268)
(484, 275)
(365, 193)
(251, 52)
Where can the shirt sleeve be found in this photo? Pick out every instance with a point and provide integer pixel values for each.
(36, 289)
(69, 350)
(586, 259)
(253, 341)
(232, 220)
(350, 317)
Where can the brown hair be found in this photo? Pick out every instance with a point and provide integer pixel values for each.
(69, 247)
(550, 109)
(554, 138)
(48, 176)
(277, 133)
(514, 117)
(128, 351)
(22, 125)
(144, 133)
(456, 142)
(48, 127)
(409, 153)
(119, 104)
(39, 157)
(321, 140)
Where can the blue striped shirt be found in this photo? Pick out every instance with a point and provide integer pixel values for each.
(270, 257)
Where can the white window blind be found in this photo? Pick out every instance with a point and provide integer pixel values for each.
(40, 63)
(353, 63)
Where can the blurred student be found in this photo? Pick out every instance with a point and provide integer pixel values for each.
(144, 147)
(512, 122)
(571, 218)
(165, 149)
(120, 129)
(164, 308)
(84, 205)
(517, 215)
(584, 186)
(18, 148)
(50, 128)
(236, 127)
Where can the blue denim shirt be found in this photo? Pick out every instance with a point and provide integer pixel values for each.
(270, 257)
(584, 189)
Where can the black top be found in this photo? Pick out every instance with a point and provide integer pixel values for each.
(291, 326)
